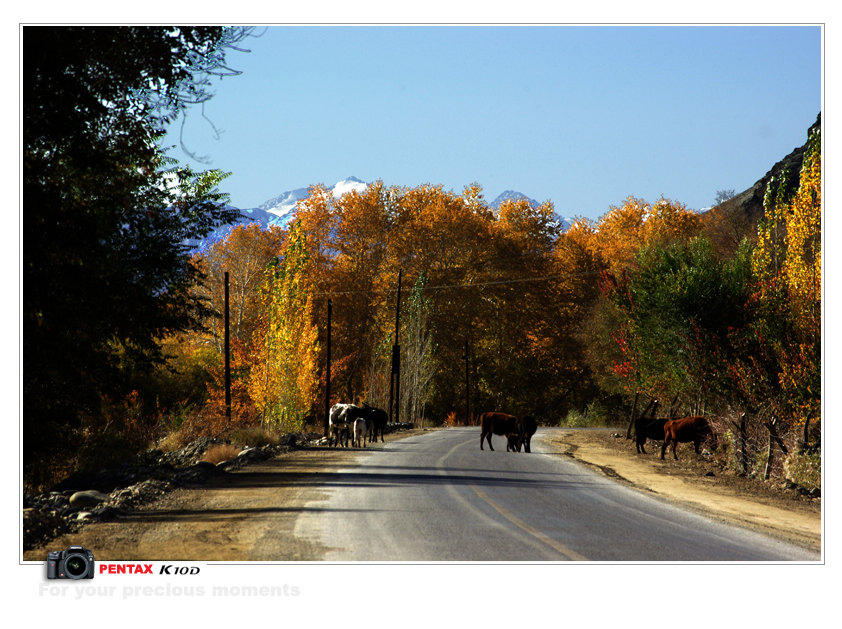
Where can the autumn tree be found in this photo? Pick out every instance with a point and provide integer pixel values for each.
(243, 253)
(283, 378)
(780, 374)
(607, 252)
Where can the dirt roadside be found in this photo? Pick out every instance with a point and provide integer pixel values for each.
(696, 483)
(250, 514)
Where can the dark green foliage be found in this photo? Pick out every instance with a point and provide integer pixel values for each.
(106, 232)
(682, 305)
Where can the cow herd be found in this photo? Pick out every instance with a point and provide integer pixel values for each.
(355, 423)
(671, 432)
(358, 424)
(361, 424)
(518, 431)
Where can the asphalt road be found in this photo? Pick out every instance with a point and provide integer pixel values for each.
(437, 497)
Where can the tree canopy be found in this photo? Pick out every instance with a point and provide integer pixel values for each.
(107, 218)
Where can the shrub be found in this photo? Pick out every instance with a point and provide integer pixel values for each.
(596, 414)
(254, 436)
(452, 419)
(804, 469)
(217, 454)
(574, 419)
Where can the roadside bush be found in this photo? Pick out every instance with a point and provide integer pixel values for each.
(597, 414)
(254, 436)
(452, 419)
(574, 419)
(804, 469)
(223, 452)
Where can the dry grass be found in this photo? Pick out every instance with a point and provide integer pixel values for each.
(217, 454)
(254, 436)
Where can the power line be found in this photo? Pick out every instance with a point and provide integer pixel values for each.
(459, 286)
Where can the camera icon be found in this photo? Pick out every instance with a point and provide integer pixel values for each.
(74, 563)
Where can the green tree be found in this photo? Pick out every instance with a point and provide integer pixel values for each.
(107, 219)
(681, 304)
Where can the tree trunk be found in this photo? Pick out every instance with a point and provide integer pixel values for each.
(631, 416)
(741, 433)
(773, 437)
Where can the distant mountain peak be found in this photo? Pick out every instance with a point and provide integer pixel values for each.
(510, 195)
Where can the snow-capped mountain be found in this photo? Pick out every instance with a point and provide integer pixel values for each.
(278, 210)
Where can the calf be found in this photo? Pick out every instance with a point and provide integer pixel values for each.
(497, 424)
(512, 442)
(686, 430)
(645, 428)
(359, 432)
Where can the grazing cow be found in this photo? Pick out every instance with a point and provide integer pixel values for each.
(497, 424)
(376, 418)
(686, 430)
(647, 428)
(359, 432)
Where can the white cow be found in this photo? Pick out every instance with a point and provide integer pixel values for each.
(360, 430)
(340, 423)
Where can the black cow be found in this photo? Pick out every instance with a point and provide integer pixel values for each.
(526, 428)
(648, 428)
(377, 419)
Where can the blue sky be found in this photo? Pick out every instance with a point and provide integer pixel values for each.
(583, 116)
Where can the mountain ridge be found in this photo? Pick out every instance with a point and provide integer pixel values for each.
(278, 210)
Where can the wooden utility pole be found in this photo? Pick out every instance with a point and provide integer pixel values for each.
(227, 354)
(327, 373)
(395, 380)
(467, 386)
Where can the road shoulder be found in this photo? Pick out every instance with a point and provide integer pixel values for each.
(688, 482)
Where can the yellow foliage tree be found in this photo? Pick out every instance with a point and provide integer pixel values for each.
(284, 377)
(787, 267)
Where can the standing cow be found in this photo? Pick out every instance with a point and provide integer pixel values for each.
(360, 430)
(647, 428)
(496, 424)
(376, 418)
(686, 430)
(341, 423)
(526, 428)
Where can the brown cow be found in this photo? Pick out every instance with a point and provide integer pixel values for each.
(686, 430)
(497, 424)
